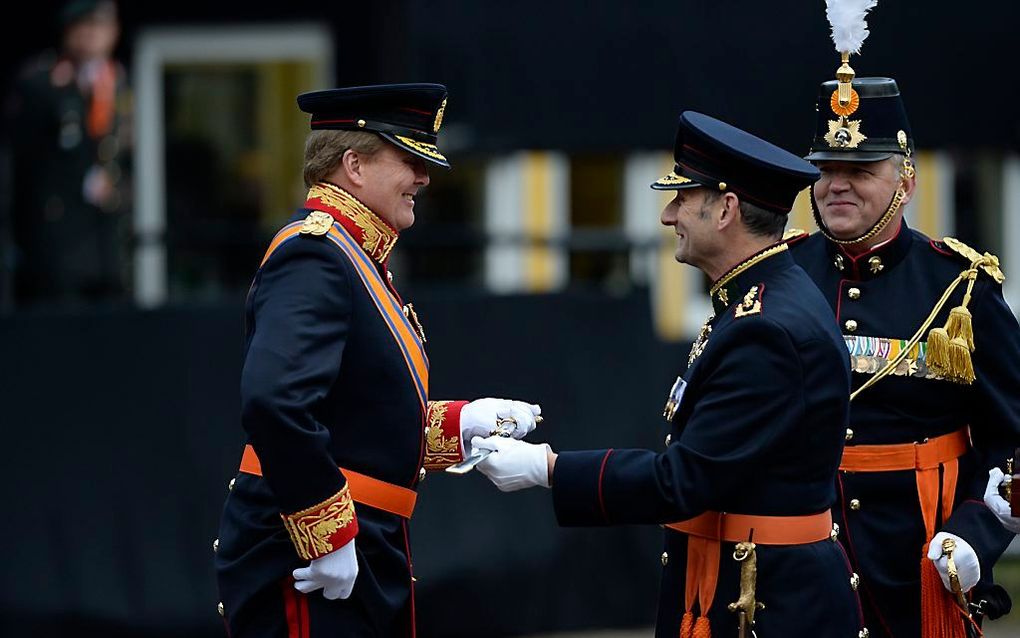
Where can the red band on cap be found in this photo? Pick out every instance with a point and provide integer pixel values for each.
(332, 121)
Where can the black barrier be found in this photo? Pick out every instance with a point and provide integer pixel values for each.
(120, 433)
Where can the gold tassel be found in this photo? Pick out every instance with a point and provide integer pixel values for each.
(961, 367)
(938, 350)
(949, 347)
(960, 324)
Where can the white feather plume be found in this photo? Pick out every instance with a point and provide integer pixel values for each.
(849, 28)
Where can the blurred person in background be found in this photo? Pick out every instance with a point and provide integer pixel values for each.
(334, 389)
(68, 129)
(745, 484)
(935, 353)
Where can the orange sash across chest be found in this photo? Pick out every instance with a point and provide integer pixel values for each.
(411, 348)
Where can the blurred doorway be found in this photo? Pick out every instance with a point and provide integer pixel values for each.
(218, 151)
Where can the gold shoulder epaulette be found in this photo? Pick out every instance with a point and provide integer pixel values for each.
(794, 235)
(986, 262)
(317, 223)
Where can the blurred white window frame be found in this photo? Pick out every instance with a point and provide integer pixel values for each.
(157, 48)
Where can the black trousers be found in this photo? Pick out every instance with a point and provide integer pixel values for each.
(280, 611)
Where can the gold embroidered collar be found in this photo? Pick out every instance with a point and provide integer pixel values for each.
(375, 236)
(721, 292)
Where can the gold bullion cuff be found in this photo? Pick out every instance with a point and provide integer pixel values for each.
(323, 528)
(442, 434)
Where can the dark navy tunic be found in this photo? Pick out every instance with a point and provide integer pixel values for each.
(759, 430)
(880, 299)
(324, 384)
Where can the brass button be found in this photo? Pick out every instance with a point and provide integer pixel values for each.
(875, 264)
(669, 439)
(427, 430)
(834, 533)
(389, 276)
(855, 504)
(864, 633)
(849, 434)
(854, 293)
(665, 558)
(850, 325)
(361, 123)
(421, 475)
(230, 485)
(837, 261)
(219, 608)
(216, 545)
(855, 580)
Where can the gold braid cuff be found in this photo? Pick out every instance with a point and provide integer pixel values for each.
(442, 434)
(323, 528)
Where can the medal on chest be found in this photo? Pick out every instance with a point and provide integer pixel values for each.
(412, 316)
(676, 393)
(699, 344)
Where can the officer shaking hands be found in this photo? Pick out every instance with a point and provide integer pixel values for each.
(756, 422)
(334, 390)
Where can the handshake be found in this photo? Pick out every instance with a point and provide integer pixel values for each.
(491, 430)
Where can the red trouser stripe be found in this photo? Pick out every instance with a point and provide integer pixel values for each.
(295, 605)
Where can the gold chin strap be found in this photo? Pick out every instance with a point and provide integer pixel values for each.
(877, 228)
(890, 211)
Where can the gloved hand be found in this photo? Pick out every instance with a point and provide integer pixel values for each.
(333, 573)
(997, 504)
(967, 566)
(482, 416)
(514, 465)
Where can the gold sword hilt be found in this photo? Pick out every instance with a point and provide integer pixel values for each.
(948, 547)
(746, 606)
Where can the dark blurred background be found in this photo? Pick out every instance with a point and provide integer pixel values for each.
(537, 265)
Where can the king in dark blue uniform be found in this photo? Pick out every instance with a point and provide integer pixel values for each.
(756, 422)
(334, 388)
(935, 353)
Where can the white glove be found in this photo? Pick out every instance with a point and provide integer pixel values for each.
(514, 465)
(967, 566)
(333, 573)
(481, 417)
(997, 504)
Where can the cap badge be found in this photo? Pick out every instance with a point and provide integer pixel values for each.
(844, 133)
(844, 110)
(439, 117)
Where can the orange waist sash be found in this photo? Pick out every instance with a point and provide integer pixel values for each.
(905, 456)
(705, 535)
(364, 489)
(767, 530)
